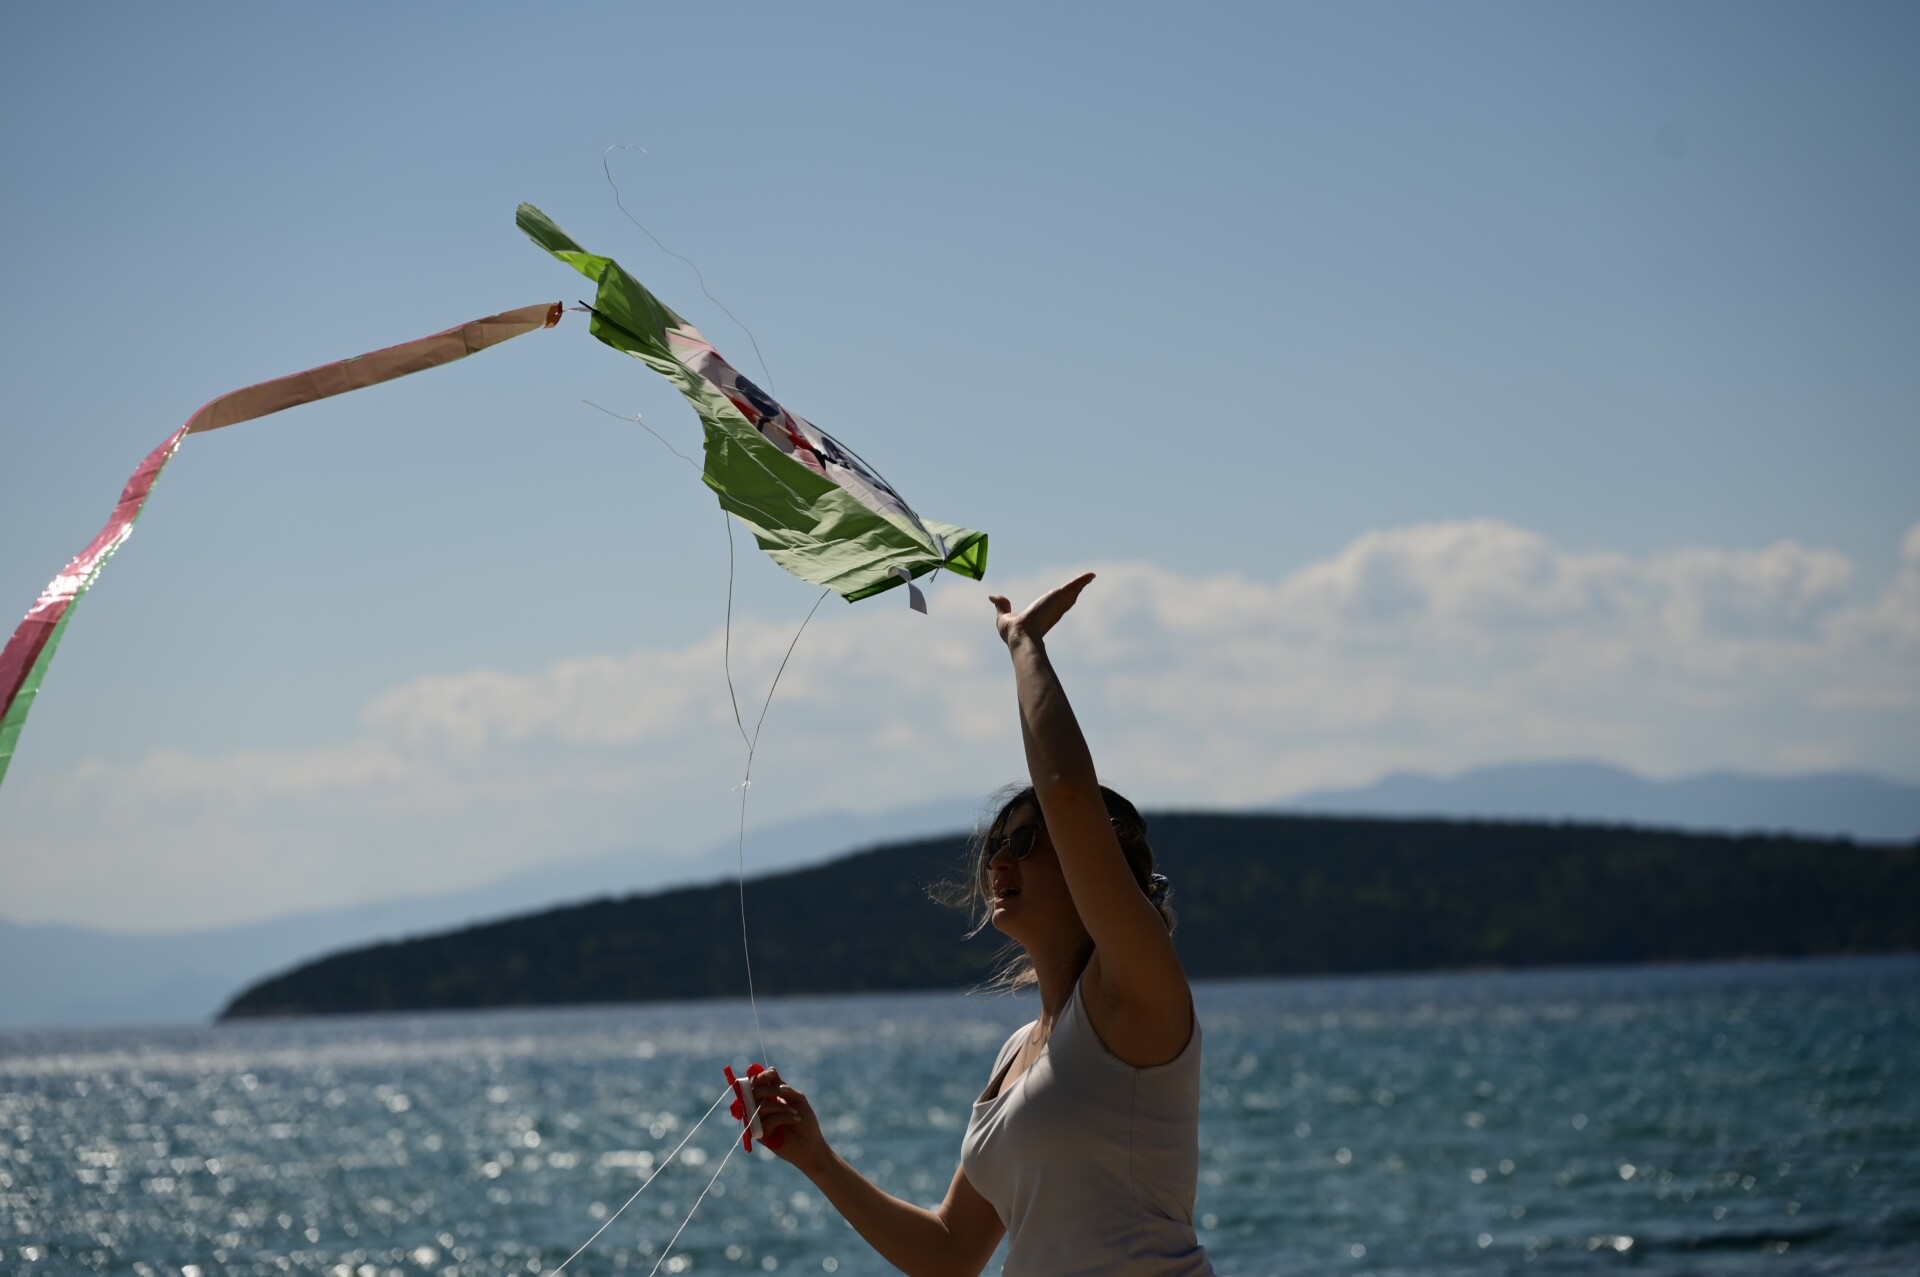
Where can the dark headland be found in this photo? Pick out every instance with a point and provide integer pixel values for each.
(1256, 895)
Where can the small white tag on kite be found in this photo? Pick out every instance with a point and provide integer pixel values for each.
(915, 599)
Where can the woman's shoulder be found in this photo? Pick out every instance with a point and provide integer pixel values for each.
(1013, 1044)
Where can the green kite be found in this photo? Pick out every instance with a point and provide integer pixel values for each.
(814, 506)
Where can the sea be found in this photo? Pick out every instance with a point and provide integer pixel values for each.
(1759, 1118)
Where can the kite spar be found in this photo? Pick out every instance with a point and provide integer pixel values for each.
(24, 661)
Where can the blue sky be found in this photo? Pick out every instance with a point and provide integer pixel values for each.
(1432, 385)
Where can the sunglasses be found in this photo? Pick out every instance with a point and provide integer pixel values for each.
(1018, 844)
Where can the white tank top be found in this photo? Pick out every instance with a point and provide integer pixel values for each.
(1089, 1162)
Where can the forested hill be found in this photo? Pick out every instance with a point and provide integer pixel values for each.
(1256, 895)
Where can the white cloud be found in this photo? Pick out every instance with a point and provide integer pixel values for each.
(1437, 646)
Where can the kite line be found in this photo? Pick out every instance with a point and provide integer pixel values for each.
(643, 1188)
(752, 742)
(607, 168)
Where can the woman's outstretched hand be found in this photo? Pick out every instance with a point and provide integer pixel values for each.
(1040, 615)
(786, 1110)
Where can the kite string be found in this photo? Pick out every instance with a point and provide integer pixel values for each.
(726, 652)
(752, 742)
(607, 168)
(731, 1148)
(746, 785)
(641, 422)
(643, 1187)
(726, 664)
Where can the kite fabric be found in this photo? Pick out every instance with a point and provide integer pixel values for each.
(24, 661)
(814, 506)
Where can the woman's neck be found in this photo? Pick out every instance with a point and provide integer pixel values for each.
(1057, 971)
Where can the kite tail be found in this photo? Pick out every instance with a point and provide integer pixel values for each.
(24, 661)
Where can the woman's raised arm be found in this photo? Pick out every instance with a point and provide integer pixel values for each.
(1139, 974)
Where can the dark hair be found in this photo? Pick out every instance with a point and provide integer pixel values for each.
(971, 890)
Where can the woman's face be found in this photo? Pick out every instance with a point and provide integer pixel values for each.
(1028, 895)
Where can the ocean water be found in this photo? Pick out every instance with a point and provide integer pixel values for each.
(1736, 1119)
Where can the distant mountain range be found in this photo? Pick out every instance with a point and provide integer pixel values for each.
(1822, 805)
(64, 975)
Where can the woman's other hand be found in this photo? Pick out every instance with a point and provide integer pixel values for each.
(958, 1236)
(1040, 615)
(786, 1111)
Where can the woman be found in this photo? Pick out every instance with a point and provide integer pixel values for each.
(1083, 1149)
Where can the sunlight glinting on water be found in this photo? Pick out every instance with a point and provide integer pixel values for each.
(1758, 1116)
